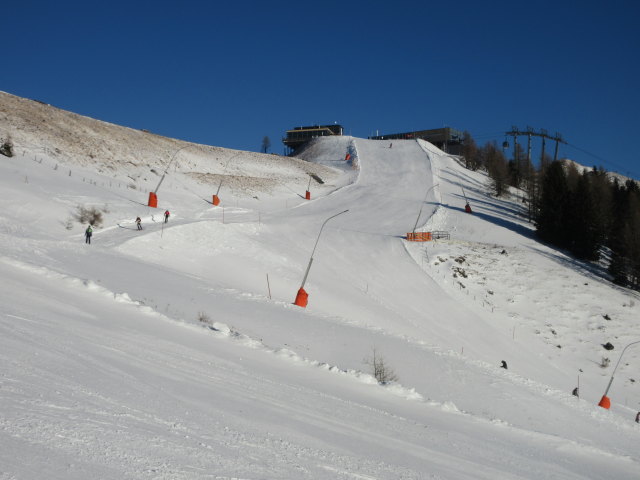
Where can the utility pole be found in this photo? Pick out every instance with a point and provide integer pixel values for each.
(558, 139)
(515, 154)
(531, 133)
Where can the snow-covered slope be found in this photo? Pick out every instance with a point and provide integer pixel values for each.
(136, 159)
(176, 352)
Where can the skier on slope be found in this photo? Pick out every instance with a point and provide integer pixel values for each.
(87, 234)
(638, 418)
(139, 223)
(166, 216)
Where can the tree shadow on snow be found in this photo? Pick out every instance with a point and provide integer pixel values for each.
(591, 270)
(498, 217)
(461, 178)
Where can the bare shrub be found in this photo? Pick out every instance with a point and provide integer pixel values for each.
(381, 370)
(204, 318)
(90, 215)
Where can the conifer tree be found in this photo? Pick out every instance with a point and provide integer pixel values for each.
(496, 166)
(266, 144)
(601, 193)
(624, 237)
(582, 229)
(470, 152)
(617, 264)
(553, 212)
(517, 166)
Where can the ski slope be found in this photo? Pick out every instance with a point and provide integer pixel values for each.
(107, 372)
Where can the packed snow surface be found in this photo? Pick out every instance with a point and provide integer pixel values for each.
(176, 352)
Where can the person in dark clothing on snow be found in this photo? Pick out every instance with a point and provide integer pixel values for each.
(166, 216)
(638, 418)
(87, 234)
(575, 392)
(139, 223)
(504, 365)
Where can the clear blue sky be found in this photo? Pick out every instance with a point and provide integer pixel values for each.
(230, 73)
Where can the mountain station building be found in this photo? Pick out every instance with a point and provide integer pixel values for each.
(300, 135)
(446, 139)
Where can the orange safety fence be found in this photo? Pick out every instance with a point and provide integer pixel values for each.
(419, 236)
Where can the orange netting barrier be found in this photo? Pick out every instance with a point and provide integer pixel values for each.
(419, 236)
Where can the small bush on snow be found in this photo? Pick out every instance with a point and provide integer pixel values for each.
(381, 370)
(204, 318)
(91, 215)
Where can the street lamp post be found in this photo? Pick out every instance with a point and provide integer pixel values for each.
(302, 296)
(216, 198)
(307, 194)
(153, 197)
(605, 402)
(422, 205)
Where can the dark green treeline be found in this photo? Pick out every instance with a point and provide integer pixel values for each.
(587, 213)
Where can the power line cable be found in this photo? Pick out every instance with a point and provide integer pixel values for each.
(617, 166)
(188, 189)
(613, 164)
(491, 134)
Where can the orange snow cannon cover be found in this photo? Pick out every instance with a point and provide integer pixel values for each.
(301, 298)
(153, 200)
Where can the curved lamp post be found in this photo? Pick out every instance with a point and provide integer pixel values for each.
(153, 197)
(307, 194)
(302, 296)
(421, 205)
(605, 402)
(216, 198)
